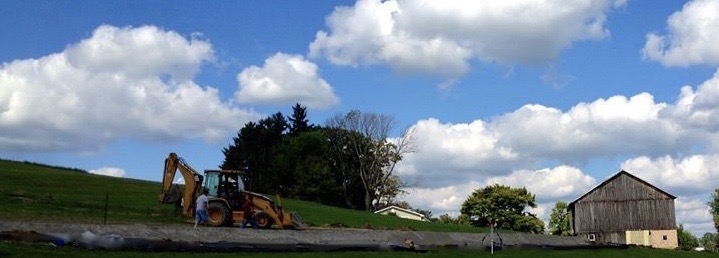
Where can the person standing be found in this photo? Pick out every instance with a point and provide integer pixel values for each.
(201, 205)
(249, 213)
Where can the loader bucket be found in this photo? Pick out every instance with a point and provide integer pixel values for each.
(296, 220)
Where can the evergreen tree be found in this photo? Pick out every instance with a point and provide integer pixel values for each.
(298, 120)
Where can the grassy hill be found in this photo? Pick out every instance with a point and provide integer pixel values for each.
(38, 192)
(46, 193)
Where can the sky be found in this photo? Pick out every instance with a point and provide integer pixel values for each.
(555, 96)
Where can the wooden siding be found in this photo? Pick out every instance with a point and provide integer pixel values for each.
(623, 203)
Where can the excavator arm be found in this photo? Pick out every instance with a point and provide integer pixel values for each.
(193, 184)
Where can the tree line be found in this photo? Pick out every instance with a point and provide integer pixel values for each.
(349, 162)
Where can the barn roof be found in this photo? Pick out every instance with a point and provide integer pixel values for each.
(571, 204)
(400, 209)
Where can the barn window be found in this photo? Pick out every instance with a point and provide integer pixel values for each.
(591, 237)
(664, 237)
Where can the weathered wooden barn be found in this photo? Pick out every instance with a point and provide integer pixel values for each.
(625, 209)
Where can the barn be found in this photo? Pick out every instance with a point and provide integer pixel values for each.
(625, 209)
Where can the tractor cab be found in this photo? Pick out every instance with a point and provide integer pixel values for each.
(226, 184)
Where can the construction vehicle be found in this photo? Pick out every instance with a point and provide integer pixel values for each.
(226, 196)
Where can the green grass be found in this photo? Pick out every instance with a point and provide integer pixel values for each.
(39, 192)
(43, 250)
(43, 193)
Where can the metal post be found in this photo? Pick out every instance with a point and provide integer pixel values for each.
(491, 237)
(107, 197)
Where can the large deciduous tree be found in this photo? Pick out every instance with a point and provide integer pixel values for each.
(373, 152)
(503, 205)
(559, 220)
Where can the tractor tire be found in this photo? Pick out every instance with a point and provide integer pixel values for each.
(264, 220)
(219, 214)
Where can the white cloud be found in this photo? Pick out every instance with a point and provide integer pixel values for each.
(558, 183)
(548, 185)
(689, 175)
(692, 36)
(441, 37)
(285, 79)
(694, 215)
(674, 146)
(603, 128)
(534, 133)
(120, 82)
(109, 171)
(461, 150)
(698, 109)
(441, 200)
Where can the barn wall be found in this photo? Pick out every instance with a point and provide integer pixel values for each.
(606, 237)
(621, 204)
(666, 239)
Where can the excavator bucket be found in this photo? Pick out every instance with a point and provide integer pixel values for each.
(296, 220)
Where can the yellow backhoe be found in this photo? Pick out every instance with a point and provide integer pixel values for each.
(226, 196)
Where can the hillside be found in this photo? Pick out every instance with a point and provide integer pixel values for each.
(38, 192)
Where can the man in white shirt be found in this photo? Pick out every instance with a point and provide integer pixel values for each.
(201, 208)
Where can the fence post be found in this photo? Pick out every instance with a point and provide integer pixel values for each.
(107, 197)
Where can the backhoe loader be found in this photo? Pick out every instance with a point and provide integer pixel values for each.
(226, 196)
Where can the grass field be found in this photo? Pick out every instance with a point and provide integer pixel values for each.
(43, 193)
(41, 250)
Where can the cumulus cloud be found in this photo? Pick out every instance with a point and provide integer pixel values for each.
(548, 184)
(109, 171)
(691, 38)
(441, 37)
(458, 149)
(693, 213)
(534, 133)
(674, 146)
(285, 79)
(119, 82)
(558, 183)
(697, 109)
(688, 175)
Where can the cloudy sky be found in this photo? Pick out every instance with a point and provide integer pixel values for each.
(552, 95)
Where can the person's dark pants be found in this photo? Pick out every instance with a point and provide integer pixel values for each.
(253, 222)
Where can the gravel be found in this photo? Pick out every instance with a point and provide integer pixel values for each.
(276, 236)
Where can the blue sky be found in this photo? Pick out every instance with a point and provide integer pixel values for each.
(550, 95)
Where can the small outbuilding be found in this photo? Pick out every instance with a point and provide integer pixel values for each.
(625, 209)
(402, 213)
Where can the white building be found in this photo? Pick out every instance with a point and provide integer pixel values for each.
(402, 213)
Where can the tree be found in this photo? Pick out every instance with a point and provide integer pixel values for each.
(447, 219)
(714, 209)
(687, 241)
(503, 205)
(254, 150)
(345, 166)
(298, 120)
(312, 177)
(708, 241)
(559, 220)
(373, 152)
